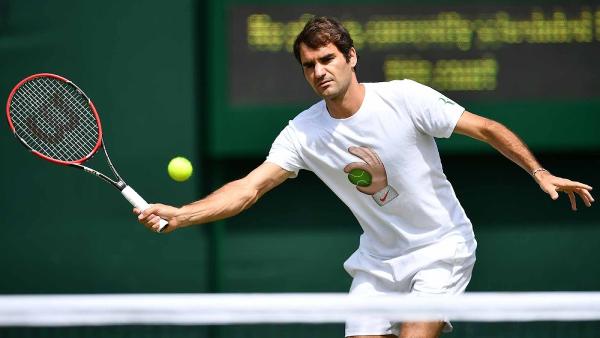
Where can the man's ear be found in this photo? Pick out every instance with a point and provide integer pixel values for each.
(353, 58)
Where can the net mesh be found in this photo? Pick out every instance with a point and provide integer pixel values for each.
(54, 118)
(544, 315)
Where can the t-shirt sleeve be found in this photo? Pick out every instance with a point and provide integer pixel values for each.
(284, 154)
(432, 112)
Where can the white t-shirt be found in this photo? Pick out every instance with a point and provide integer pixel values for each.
(398, 120)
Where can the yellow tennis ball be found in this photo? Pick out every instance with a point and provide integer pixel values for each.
(180, 169)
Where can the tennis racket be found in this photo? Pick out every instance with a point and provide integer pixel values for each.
(56, 121)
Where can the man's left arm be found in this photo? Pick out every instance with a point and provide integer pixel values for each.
(511, 146)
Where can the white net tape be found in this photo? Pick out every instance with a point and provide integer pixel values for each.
(205, 309)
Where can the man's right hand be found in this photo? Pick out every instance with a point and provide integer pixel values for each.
(151, 217)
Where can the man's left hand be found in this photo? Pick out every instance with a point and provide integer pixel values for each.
(552, 185)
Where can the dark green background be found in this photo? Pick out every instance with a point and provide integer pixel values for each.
(64, 231)
(152, 69)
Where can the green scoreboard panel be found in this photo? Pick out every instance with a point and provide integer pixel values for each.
(532, 66)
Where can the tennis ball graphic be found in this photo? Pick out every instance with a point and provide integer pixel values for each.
(360, 177)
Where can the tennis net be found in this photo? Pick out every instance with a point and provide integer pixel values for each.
(552, 314)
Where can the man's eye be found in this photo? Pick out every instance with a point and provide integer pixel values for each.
(308, 66)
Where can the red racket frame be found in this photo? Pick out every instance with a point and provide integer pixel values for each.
(12, 127)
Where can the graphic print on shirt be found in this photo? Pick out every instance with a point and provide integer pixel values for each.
(369, 176)
(447, 100)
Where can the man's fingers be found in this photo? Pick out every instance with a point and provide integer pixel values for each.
(568, 184)
(149, 211)
(581, 185)
(149, 218)
(152, 222)
(572, 200)
(585, 198)
(136, 211)
(551, 190)
(589, 195)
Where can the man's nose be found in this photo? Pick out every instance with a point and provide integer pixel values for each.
(319, 71)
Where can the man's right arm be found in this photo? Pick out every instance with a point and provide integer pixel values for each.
(231, 199)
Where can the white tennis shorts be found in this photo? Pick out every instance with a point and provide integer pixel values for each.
(438, 269)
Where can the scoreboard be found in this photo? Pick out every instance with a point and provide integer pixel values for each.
(532, 66)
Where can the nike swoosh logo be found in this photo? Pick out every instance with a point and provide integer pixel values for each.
(384, 197)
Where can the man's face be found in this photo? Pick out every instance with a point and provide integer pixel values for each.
(326, 69)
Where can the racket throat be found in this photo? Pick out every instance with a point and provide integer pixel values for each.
(119, 184)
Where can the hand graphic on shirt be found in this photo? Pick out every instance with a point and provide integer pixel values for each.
(372, 164)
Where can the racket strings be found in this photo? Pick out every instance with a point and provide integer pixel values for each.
(72, 121)
(49, 128)
(55, 119)
(54, 124)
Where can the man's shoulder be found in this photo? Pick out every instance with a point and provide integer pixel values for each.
(398, 86)
(396, 92)
(402, 92)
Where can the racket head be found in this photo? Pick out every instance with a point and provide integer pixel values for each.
(54, 119)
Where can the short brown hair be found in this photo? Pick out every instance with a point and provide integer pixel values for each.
(321, 30)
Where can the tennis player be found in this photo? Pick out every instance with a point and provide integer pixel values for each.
(417, 238)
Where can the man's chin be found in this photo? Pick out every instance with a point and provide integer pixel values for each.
(327, 93)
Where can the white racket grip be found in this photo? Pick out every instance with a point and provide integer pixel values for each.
(137, 201)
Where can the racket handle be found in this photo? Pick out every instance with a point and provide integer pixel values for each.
(137, 201)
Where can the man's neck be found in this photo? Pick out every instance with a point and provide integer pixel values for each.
(347, 104)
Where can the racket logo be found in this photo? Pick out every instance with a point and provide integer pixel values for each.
(51, 113)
